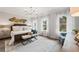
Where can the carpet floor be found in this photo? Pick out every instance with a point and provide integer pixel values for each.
(2, 45)
(42, 44)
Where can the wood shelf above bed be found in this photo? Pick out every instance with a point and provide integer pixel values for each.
(19, 25)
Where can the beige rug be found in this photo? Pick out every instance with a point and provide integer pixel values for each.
(42, 44)
(2, 45)
(9, 48)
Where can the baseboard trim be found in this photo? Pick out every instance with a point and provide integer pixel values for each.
(49, 37)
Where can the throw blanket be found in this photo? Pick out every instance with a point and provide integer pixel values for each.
(4, 33)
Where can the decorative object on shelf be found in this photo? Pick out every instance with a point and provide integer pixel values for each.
(77, 38)
(17, 20)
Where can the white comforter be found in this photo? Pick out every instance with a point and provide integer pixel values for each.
(18, 32)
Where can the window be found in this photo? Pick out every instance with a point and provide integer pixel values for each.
(62, 24)
(44, 24)
(35, 25)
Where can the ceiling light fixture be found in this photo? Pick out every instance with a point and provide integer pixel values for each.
(30, 12)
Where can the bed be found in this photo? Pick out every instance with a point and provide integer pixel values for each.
(17, 30)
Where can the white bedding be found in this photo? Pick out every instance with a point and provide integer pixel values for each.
(18, 32)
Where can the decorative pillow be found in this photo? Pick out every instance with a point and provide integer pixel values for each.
(21, 28)
(77, 36)
(16, 28)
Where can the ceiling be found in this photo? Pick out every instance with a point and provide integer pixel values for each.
(74, 11)
(31, 12)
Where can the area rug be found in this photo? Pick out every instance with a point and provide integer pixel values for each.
(2, 45)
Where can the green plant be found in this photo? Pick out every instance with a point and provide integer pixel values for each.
(75, 30)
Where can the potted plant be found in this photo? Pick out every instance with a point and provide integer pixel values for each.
(76, 31)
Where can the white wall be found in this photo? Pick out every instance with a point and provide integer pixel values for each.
(54, 25)
(4, 17)
(70, 23)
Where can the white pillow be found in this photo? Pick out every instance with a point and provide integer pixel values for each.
(16, 28)
(21, 28)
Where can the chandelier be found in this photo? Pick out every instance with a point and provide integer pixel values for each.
(31, 12)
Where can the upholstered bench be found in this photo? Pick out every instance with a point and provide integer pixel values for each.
(28, 38)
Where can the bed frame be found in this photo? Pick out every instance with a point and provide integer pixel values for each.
(18, 38)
